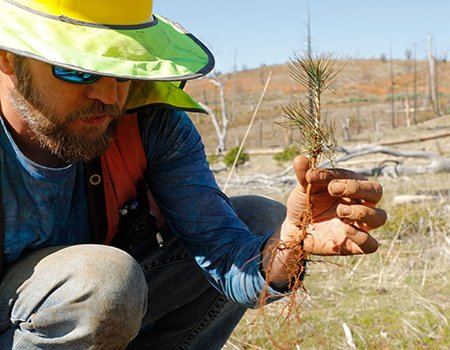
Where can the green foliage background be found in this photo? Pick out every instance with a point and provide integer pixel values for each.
(230, 157)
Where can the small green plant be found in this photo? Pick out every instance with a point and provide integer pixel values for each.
(229, 158)
(316, 138)
(287, 154)
(212, 158)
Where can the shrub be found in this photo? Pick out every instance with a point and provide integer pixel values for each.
(212, 158)
(230, 157)
(286, 155)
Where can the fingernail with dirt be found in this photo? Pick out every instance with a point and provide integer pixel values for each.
(344, 210)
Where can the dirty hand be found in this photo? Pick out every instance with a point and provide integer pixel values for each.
(343, 209)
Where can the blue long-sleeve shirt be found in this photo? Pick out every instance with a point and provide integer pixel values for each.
(47, 206)
(196, 209)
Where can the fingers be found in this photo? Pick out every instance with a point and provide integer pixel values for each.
(363, 215)
(353, 208)
(320, 178)
(367, 191)
(358, 220)
(362, 239)
(335, 237)
(324, 176)
(301, 166)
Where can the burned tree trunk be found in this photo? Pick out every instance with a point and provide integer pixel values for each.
(221, 130)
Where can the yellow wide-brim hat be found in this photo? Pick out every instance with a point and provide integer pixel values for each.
(117, 38)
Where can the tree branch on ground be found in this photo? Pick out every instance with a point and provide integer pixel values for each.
(394, 167)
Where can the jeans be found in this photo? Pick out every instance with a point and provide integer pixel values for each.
(95, 297)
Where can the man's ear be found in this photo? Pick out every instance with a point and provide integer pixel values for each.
(6, 62)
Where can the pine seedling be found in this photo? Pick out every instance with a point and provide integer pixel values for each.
(316, 140)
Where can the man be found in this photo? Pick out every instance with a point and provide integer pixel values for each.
(97, 153)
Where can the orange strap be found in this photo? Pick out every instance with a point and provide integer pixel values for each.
(123, 165)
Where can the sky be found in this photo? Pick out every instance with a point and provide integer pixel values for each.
(249, 33)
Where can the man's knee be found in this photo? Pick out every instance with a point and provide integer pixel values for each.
(261, 214)
(91, 292)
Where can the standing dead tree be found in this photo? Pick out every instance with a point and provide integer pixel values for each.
(392, 94)
(221, 128)
(434, 95)
(415, 85)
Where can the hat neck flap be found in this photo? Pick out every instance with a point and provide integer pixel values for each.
(145, 93)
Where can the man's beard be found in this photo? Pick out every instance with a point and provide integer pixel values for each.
(54, 134)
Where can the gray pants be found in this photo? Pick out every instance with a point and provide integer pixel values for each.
(99, 297)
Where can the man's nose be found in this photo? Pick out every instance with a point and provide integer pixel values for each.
(106, 90)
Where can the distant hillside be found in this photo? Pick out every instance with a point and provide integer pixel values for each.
(362, 98)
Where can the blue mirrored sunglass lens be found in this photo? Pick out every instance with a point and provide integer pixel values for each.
(74, 76)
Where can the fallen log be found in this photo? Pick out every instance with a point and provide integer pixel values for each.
(435, 163)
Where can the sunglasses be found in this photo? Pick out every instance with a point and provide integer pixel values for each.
(76, 77)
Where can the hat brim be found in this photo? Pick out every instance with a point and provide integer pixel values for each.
(159, 51)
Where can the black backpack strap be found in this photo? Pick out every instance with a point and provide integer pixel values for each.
(96, 200)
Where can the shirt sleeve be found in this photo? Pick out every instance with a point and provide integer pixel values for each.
(197, 211)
